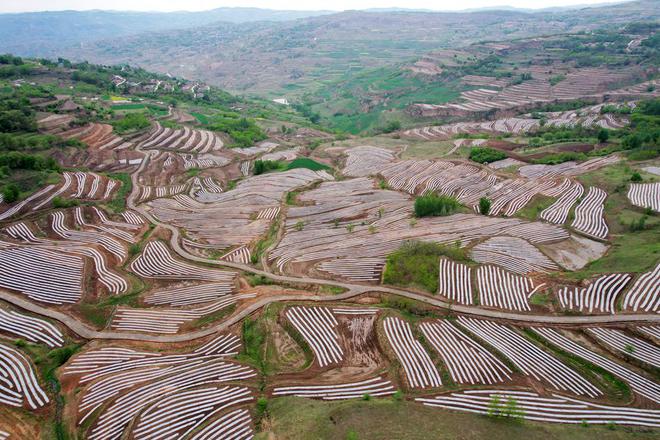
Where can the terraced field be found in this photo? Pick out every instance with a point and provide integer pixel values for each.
(164, 285)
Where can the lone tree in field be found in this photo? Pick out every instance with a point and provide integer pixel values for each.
(484, 206)
(603, 135)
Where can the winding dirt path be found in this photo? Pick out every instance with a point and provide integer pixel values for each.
(352, 290)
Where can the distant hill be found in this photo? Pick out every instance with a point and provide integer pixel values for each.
(289, 57)
(46, 33)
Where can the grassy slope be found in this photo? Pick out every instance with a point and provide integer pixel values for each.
(631, 251)
(398, 87)
(297, 418)
(305, 162)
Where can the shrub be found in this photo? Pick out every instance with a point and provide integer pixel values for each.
(262, 404)
(262, 410)
(435, 205)
(484, 205)
(263, 166)
(486, 155)
(603, 135)
(638, 225)
(134, 249)
(259, 280)
(59, 202)
(10, 193)
(636, 177)
(392, 126)
(557, 158)
(554, 80)
(61, 355)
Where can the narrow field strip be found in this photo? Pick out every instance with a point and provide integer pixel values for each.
(628, 345)
(354, 269)
(555, 409)
(638, 383)
(374, 387)
(645, 195)
(600, 296)
(317, 325)
(645, 293)
(156, 261)
(558, 212)
(455, 281)
(501, 289)
(167, 321)
(31, 329)
(467, 361)
(589, 218)
(531, 359)
(18, 383)
(653, 331)
(235, 425)
(513, 254)
(238, 255)
(417, 364)
(189, 295)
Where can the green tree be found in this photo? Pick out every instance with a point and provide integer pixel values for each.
(603, 135)
(484, 205)
(486, 155)
(10, 193)
(392, 126)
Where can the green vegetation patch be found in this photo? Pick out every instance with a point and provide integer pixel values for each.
(486, 155)
(265, 242)
(131, 122)
(118, 203)
(409, 308)
(533, 209)
(243, 131)
(557, 158)
(415, 264)
(305, 162)
(264, 166)
(254, 338)
(201, 118)
(435, 205)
